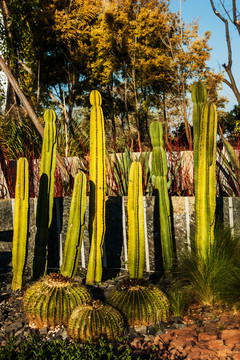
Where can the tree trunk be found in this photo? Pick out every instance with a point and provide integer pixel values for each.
(30, 112)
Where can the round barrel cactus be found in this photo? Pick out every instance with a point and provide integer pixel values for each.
(95, 320)
(141, 303)
(51, 300)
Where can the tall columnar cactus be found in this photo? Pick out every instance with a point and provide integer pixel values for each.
(20, 223)
(136, 237)
(205, 202)
(199, 98)
(160, 171)
(46, 193)
(48, 157)
(51, 300)
(97, 189)
(95, 320)
(140, 302)
(76, 224)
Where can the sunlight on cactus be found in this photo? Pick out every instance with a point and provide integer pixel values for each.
(51, 300)
(95, 320)
(142, 303)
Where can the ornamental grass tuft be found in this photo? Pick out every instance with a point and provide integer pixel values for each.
(216, 279)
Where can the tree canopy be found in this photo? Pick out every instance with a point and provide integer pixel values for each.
(140, 56)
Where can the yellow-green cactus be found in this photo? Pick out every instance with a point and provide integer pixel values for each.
(97, 170)
(141, 303)
(76, 224)
(94, 321)
(51, 300)
(136, 235)
(160, 171)
(20, 227)
(45, 195)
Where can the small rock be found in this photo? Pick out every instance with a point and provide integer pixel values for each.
(43, 331)
(152, 330)
(179, 326)
(160, 332)
(176, 320)
(149, 337)
(13, 328)
(140, 329)
(131, 333)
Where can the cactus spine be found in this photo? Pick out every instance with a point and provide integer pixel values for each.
(160, 171)
(51, 300)
(20, 223)
(95, 320)
(76, 224)
(97, 189)
(136, 237)
(46, 193)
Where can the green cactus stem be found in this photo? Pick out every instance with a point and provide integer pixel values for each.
(94, 321)
(160, 172)
(136, 236)
(20, 223)
(199, 98)
(206, 191)
(48, 158)
(50, 301)
(76, 224)
(141, 303)
(97, 170)
(45, 195)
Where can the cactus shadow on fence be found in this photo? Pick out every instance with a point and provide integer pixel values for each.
(113, 236)
(54, 235)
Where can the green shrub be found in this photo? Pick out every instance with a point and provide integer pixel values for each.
(36, 348)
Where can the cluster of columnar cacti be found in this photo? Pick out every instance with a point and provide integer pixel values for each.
(95, 320)
(136, 234)
(20, 227)
(160, 171)
(97, 169)
(141, 303)
(46, 193)
(205, 139)
(76, 224)
(51, 300)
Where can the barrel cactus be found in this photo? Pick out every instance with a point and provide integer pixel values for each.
(141, 303)
(51, 300)
(95, 320)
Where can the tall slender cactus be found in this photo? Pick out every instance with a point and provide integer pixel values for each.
(20, 223)
(76, 224)
(199, 98)
(160, 171)
(205, 147)
(206, 190)
(136, 237)
(46, 193)
(97, 172)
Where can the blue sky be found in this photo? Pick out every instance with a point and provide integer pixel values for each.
(208, 21)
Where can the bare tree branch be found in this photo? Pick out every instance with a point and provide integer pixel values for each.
(228, 66)
(30, 111)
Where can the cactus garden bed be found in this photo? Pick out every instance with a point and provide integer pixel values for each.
(202, 332)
